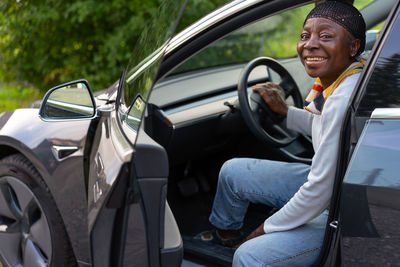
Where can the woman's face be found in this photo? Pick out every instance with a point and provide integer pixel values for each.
(326, 49)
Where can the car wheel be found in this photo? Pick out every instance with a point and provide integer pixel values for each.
(31, 229)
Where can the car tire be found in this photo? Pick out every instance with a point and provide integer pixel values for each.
(31, 229)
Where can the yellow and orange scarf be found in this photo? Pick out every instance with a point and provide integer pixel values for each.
(317, 97)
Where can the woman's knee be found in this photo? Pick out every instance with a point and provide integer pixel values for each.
(239, 258)
(244, 257)
(229, 172)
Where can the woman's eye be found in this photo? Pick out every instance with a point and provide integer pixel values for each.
(325, 36)
(304, 36)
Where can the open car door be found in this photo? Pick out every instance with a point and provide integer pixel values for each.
(129, 221)
(370, 196)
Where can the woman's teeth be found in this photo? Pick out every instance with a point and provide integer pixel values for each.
(314, 58)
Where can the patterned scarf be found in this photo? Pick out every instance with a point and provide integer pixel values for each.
(317, 97)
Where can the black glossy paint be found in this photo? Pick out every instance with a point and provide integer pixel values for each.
(24, 131)
(383, 87)
(370, 208)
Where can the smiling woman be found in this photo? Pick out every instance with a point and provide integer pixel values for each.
(326, 49)
(332, 37)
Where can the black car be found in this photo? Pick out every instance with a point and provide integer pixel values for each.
(127, 177)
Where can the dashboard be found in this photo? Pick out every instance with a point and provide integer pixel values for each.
(193, 114)
(202, 93)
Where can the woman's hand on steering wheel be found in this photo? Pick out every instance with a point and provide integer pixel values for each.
(273, 96)
(259, 117)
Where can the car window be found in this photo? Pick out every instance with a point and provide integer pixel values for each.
(275, 36)
(383, 86)
(142, 68)
(148, 54)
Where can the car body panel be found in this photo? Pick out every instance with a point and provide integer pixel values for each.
(371, 197)
(104, 171)
(23, 130)
(106, 160)
(369, 204)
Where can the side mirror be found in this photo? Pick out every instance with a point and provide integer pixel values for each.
(73, 100)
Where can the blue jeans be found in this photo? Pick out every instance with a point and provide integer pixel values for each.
(273, 183)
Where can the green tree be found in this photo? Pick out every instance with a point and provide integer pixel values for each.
(47, 42)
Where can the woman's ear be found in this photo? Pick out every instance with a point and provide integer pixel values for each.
(354, 46)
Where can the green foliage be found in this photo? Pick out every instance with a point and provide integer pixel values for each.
(47, 42)
(14, 96)
(196, 9)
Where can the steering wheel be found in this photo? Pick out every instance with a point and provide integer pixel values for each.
(268, 126)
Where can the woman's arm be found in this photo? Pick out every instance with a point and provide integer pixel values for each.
(299, 120)
(314, 196)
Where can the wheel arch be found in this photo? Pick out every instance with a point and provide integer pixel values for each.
(10, 146)
(22, 132)
(6, 151)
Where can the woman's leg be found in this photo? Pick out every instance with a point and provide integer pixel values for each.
(245, 180)
(298, 247)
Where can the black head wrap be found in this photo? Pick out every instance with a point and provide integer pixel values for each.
(343, 14)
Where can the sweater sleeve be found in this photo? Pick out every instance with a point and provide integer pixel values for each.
(299, 120)
(314, 195)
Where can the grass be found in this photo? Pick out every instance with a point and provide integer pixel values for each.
(16, 96)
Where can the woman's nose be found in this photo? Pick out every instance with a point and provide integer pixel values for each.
(312, 42)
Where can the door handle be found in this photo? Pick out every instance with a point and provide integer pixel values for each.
(386, 113)
(334, 224)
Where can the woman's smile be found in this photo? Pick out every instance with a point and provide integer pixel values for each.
(326, 49)
(313, 61)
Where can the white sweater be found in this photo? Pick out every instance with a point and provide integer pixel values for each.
(314, 195)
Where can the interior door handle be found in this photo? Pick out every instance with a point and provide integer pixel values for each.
(61, 152)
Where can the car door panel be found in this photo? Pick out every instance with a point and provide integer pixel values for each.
(107, 163)
(129, 171)
(152, 169)
(172, 246)
(370, 190)
(143, 197)
(370, 208)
